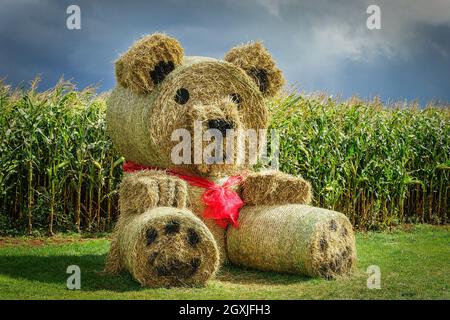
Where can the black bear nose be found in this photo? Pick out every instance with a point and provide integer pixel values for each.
(221, 125)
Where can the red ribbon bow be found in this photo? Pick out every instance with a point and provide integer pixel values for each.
(222, 203)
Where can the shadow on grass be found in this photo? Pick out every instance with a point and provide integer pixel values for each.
(52, 270)
(238, 275)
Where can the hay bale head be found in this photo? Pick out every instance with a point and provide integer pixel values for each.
(167, 247)
(295, 239)
(159, 90)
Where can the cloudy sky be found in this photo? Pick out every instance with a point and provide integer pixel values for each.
(321, 45)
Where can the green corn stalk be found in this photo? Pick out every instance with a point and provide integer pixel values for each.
(379, 165)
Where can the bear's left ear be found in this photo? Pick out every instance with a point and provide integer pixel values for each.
(257, 62)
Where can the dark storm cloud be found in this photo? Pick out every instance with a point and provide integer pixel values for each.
(321, 45)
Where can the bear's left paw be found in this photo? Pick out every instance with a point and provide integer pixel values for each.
(275, 187)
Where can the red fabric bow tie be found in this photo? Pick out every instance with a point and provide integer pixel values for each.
(221, 203)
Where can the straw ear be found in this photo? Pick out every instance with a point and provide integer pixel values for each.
(257, 62)
(148, 62)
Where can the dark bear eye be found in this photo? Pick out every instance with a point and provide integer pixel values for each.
(182, 96)
(236, 98)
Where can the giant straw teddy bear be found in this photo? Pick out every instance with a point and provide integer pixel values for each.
(179, 222)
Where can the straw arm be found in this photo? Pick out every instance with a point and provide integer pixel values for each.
(275, 187)
(147, 189)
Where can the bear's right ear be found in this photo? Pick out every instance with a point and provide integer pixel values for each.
(148, 62)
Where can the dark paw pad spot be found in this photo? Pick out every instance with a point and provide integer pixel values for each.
(349, 250)
(152, 234)
(152, 257)
(348, 264)
(323, 244)
(323, 270)
(193, 237)
(344, 254)
(334, 266)
(195, 263)
(162, 270)
(172, 227)
(337, 265)
(333, 225)
(177, 268)
(162, 69)
(172, 268)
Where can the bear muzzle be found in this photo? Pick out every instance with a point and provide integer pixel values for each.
(221, 124)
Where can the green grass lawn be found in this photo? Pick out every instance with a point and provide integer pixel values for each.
(414, 263)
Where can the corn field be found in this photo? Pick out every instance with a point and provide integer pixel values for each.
(58, 170)
(380, 166)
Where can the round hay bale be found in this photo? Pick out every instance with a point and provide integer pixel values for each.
(141, 125)
(293, 238)
(166, 247)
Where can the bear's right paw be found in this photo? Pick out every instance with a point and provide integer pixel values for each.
(171, 264)
(144, 190)
(169, 247)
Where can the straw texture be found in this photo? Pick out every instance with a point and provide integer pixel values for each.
(197, 206)
(165, 247)
(148, 61)
(161, 236)
(294, 239)
(275, 187)
(258, 64)
(146, 189)
(141, 126)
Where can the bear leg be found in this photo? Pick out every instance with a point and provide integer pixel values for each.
(293, 238)
(167, 247)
